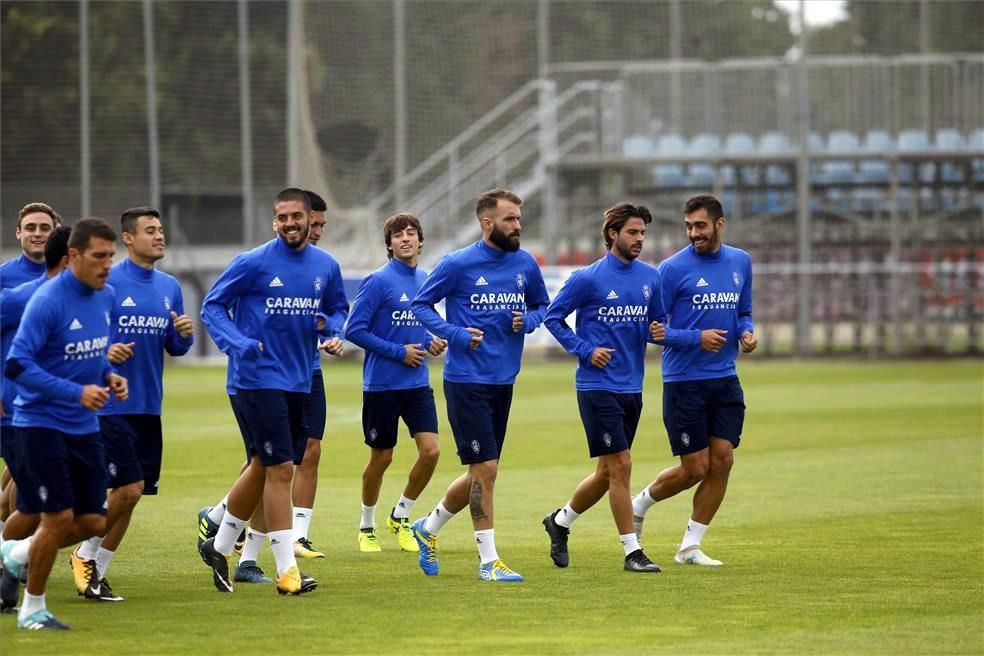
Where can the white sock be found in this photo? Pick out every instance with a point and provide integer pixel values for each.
(486, 545)
(302, 522)
(31, 605)
(566, 516)
(368, 517)
(218, 510)
(103, 557)
(89, 549)
(437, 519)
(642, 502)
(693, 535)
(1, 532)
(403, 507)
(630, 543)
(229, 531)
(282, 543)
(18, 553)
(251, 550)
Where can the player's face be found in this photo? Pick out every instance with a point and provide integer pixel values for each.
(628, 242)
(503, 226)
(33, 234)
(290, 222)
(92, 265)
(146, 244)
(406, 245)
(703, 233)
(318, 221)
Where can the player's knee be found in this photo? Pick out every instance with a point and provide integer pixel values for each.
(312, 453)
(619, 467)
(280, 474)
(696, 470)
(484, 472)
(429, 453)
(722, 463)
(380, 458)
(89, 525)
(59, 523)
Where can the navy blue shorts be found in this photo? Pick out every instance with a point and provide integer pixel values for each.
(134, 446)
(314, 406)
(273, 421)
(478, 414)
(8, 446)
(610, 420)
(241, 422)
(60, 471)
(382, 411)
(696, 410)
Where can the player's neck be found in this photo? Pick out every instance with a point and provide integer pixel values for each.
(37, 260)
(141, 262)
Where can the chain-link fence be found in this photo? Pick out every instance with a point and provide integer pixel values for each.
(847, 173)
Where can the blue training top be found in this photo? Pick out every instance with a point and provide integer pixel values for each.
(60, 347)
(702, 292)
(482, 286)
(382, 322)
(20, 270)
(277, 294)
(145, 299)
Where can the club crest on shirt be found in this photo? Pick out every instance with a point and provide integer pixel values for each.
(167, 303)
(318, 284)
(645, 292)
(736, 279)
(520, 281)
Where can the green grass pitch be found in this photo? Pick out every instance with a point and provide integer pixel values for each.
(854, 524)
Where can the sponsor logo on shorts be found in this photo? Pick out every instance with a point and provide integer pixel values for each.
(476, 447)
(685, 439)
(112, 469)
(607, 439)
(373, 434)
(268, 448)
(43, 493)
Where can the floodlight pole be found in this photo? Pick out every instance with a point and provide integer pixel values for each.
(295, 46)
(399, 101)
(85, 145)
(245, 124)
(547, 135)
(153, 145)
(804, 281)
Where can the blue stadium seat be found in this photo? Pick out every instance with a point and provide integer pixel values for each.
(877, 171)
(671, 144)
(775, 142)
(976, 144)
(816, 143)
(915, 141)
(707, 145)
(671, 175)
(739, 144)
(950, 140)
(638, 145)
(834, 172)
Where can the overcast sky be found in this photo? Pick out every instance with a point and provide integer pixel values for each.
(818, 12)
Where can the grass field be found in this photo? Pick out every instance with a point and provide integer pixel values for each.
(854, 524)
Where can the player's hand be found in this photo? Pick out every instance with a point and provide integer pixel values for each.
(476, 339)
(182, 324)
(601, 357)
(320, 323)
(333, 346)
(713, 339)
(658, 331)
(748, 342)
(94, 397)
(120, 353)
(517, 321)
(3, 413)
(437, 346)
(413, 355)
(118, 386)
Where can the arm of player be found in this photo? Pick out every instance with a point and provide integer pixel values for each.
(21, 364)
(181, 331)
(537, 300)
(437, 286)
(233, 282)
(668, 283)
(746, 327)
(357, 327)
(334, 308)
(568, 299)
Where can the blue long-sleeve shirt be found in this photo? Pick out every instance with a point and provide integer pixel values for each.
(615, 302)
(482, 286)
(19, 270)
(277, 293)
(141, 314)
(12, 304)
(60, 347)
(702, 292)
(381, 322)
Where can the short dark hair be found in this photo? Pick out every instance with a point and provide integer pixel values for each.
(318, 203)
(86, 229)
(489, 200)
(128, 221)
(31, 208)
(399, 222)
(56, 247)
(704, 202)
(616, 217)
(293, 193)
